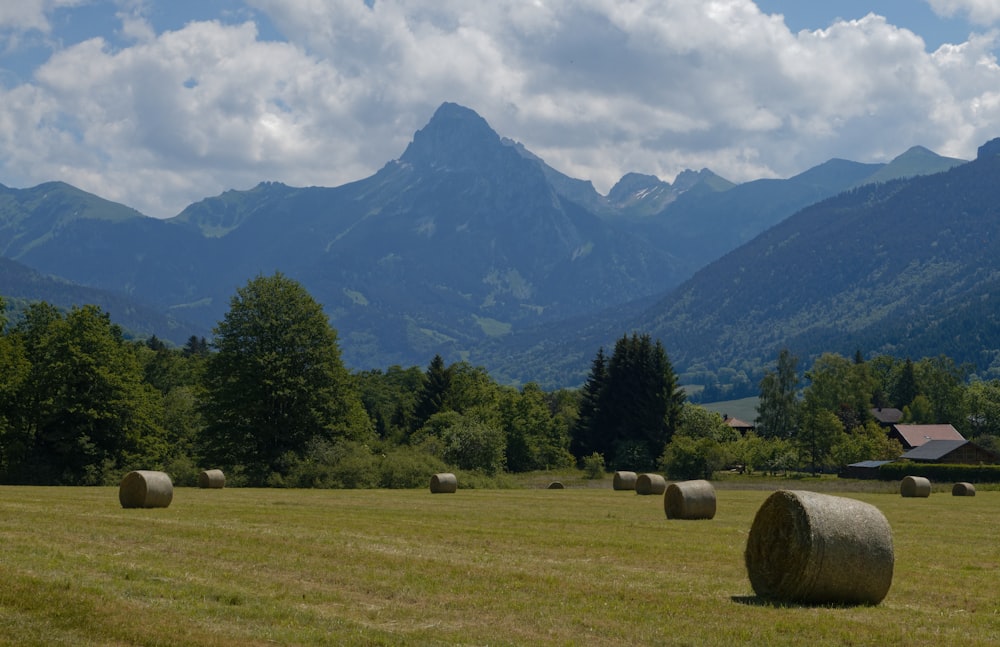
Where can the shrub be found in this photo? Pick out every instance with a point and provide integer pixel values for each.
(407, 467)
(593, 466)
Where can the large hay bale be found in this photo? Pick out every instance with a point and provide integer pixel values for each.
(444, 483)
(624, 480)
(650, 484)
(963, 489)
(813, 548)
(213, 479)
(915, 486)
(145, 489)
(689, 500)
(556, 485)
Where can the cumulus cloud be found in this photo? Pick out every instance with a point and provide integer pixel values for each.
(982, 12)
(597, 88)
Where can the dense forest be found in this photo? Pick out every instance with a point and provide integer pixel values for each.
(270, 401)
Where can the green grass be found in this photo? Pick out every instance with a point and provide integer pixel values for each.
(584, 565)
(745, 408)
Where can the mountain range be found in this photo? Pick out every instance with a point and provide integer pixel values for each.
(470, 246)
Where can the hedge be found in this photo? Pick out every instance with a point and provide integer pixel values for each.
(940, 472)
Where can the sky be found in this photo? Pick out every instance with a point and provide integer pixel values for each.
(161, 103)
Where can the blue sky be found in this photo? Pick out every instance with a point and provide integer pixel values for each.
(160, 103)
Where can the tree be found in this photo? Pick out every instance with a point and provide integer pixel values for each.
(777, 410)
(586, 436)
(637, 407)
(437, 380)
(534, 439)
(904, 387)
(698, 422)
(277, 382)
(820, 432)
(82, 412)
(841, 387)
(390, 398)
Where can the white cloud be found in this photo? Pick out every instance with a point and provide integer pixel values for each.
(982, 12)
(25, 15)
(597, 88)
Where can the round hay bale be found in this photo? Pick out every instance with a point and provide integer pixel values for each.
(689, 500)
(915, 486)
(624, 480)
(963, 489)
(813, 548)
(444, 483)
(555, 485)
(650, 484)
(145, 489)
(213, 479)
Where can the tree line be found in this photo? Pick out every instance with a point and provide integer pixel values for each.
(270, 401)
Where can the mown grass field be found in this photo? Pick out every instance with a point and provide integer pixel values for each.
(579, 566)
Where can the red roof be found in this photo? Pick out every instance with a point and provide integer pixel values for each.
(736, 423)
(916, 435)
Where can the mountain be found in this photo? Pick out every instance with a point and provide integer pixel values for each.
(20, 285)
(467, 245)
(915, 161)
(908, 267)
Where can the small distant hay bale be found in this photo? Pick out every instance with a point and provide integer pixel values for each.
(555, 485)
(212, 479)
(650, 484)
(963, 489)
(444, 483)
(624, 480)
(812, 548)
(689, 500)
(145, 489)
(915, 486)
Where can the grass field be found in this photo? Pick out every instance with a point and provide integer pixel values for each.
(579, 566)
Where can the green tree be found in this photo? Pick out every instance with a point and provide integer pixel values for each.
(639, 405)
(437, 380)
(14, 371)
(842, 387)
(943, 382)
(692, 458)
(904, 385)
(982, 401)
(867, 442)
(84, 413)
(698, 422)
(777, 410)
(820, 432)
(390, 398)
(534, 438)
(276, 383)
(587, 438)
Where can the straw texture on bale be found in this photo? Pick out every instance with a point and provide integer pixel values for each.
(689, 500)
(650, 484)
(812, 548)
(444, 483)
(963, 489)
(915, 486)
(624, 480)
(145, 489)
(555, 485)
(213, 479)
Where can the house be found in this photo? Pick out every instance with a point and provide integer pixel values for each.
(741, 426)
(911, 436)
(961, 452)
(862, 470)
(886, 416)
